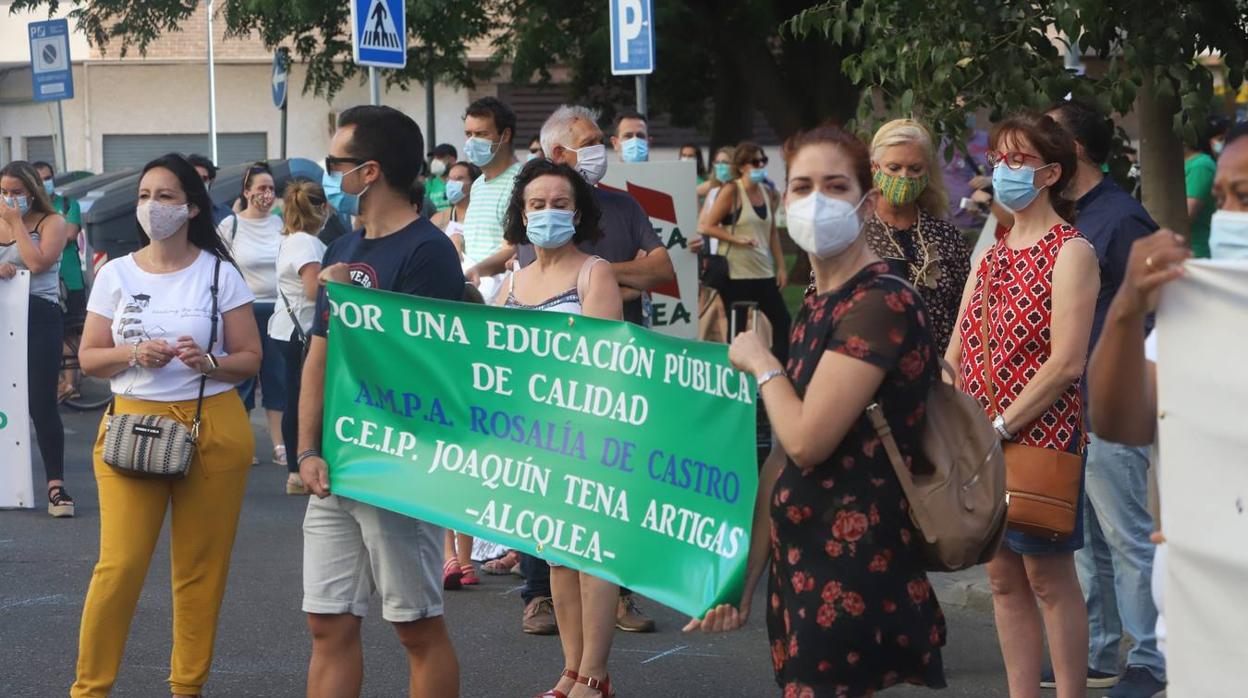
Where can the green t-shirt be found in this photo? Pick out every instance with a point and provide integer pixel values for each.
(71, 265)
(435, 189)
(1198, 172)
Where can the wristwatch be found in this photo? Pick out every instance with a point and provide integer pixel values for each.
(213, 364)
(768, 375)
(999, 425)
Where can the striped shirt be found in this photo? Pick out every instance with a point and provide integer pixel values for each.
(487, 207)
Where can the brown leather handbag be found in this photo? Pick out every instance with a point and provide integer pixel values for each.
(1042, 485)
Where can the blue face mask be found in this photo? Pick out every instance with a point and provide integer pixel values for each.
(1228, 235)
(723, 171)
(479, 151)
(550, 227)
(635, 150)
(48, 186)
(21, 203)
(1015, 189)
(757, 175)
(454, 191)
(342, 202)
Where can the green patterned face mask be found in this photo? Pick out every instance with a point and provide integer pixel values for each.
(900, 190)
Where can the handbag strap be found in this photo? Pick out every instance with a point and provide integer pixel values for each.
(303, 338)
(875, 414)
(985, 298)
(212, 340)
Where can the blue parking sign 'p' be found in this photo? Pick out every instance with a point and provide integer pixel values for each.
(51, 71)
(379, 33)
(632, 37)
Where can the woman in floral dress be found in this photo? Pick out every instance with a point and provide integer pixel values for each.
(849, 608)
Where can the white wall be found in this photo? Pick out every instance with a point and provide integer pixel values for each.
(165, 97)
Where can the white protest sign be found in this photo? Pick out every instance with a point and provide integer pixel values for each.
(16, 488)
(667, 191)
(1202, 381)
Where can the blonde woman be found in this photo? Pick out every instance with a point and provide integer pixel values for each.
(909, 230)
(299, 256)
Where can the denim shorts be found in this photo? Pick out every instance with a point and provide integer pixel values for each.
(351, 549)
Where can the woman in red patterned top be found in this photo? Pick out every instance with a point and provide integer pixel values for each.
(1037, 289)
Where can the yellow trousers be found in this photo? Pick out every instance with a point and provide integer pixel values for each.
(206, 506)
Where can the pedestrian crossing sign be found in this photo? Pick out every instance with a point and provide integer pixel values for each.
(379, 33)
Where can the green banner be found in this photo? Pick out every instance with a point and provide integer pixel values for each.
(597, 445)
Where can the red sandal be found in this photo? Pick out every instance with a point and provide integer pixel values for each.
(470, 577)
(603, 685)
(555, 693)
(452, 576)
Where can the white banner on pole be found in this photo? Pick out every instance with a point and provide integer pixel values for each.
(16, 488)
(667, 191)
(1202, 376)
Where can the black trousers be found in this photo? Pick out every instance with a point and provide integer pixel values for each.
(770, 303)
(44, 337)
(292, 355)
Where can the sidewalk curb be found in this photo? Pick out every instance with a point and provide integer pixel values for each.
(966, 589)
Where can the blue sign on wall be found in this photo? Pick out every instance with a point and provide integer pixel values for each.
(379, 33)
(50, 67)
(632, 37)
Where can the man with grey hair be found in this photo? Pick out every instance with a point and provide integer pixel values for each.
(640, 261)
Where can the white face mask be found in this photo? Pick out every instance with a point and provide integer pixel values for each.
(823, 226)
(1228, 235)
(437, 168)
(591, 162)
(161, 221)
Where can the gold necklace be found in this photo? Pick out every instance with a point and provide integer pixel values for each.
(927, 273)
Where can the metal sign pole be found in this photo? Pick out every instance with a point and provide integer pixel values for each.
(63, 165)
(430, 85)
(283, 131)
(374, 88)
(641, 95)
(212, 93)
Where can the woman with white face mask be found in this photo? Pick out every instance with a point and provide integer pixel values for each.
(254, 236)
(849, 608)
(149, 329)
(552, 207)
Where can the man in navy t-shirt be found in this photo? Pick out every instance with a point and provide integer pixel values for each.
(1115, 564)
(350, 548)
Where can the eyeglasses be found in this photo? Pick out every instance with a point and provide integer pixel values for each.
(332, 161)
(758, 162)
(1013, 159)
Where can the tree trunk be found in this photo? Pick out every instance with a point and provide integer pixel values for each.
(1161, 159)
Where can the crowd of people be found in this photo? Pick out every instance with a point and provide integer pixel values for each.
(223, 302)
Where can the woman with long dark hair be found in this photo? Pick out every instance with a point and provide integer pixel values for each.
(32, 238)
(149, 329)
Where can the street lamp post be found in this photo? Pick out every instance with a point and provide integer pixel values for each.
(212, 92)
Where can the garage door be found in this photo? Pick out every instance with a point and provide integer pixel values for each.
(40, 149)
(131, 150)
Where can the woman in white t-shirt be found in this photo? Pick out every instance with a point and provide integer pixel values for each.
(148, 328)
(459, 181)
(299, 258)
(253, 236)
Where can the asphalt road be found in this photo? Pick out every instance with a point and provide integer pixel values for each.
(263, 645)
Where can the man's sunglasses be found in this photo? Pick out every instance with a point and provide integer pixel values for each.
(331, 162)
(758, 162)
